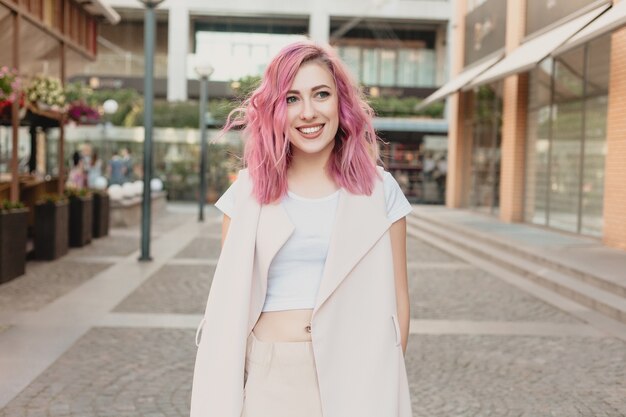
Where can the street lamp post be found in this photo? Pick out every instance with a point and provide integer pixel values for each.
(149, 35)
(204, 72)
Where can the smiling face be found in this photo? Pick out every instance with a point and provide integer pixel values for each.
(312, 111)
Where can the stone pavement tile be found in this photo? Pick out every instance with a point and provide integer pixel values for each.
(201, 248)
(506, 376)
(112, 245)
(418, 250)
(174, 289)
(167, 221)
(473, 294)
(212, 228)
(44, 282)
(116, 373)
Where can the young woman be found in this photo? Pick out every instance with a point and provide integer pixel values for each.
(308, 314)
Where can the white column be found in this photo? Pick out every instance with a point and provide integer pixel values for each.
(177, 47)
(319, 24)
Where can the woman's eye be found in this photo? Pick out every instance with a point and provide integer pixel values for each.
(323, 94)
(291, 99)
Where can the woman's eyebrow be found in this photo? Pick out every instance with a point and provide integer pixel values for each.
(317, 87)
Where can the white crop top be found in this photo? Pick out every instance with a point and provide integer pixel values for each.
(296, 271)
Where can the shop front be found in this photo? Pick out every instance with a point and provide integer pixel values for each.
(554, 133)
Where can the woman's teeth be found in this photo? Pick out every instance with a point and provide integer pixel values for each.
(310, 130)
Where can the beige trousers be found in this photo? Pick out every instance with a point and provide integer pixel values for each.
(280, 380)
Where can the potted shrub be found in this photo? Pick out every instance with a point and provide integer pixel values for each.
(13, 231)
(51, 227)
(101, 213)
(81, 216)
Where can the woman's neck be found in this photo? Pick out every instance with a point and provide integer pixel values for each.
(308, 175)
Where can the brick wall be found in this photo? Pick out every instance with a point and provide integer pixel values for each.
(514, 109)
(615, 168)
(513, 151)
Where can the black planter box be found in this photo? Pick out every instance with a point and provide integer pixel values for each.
(101, 214)
(81, 221)
(13, 231)
(51, 223)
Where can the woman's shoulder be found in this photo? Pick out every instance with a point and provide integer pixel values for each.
(385, 176)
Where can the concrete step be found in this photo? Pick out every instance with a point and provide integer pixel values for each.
(614, 285)
(606, 302)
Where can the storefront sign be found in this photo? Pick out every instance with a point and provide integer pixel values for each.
(485, 30)
(542, 13)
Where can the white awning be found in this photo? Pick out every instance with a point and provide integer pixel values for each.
(458, 82)
(101, 8)
(612, 19)
(530, 53)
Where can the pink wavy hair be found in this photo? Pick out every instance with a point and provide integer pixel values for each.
(267, 155)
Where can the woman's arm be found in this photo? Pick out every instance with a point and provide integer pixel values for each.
(398, 248)
(225, 225)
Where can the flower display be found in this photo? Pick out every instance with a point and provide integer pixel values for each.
(10, 84)
(47, 91)
(80, 112)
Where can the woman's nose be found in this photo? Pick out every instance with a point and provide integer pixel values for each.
(308, 110)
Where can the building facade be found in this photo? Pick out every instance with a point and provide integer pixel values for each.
(377, 37)
(396, 49)
(536, 113)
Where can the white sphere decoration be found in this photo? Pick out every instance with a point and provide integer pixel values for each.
(100, 183)
(156, 184)
(110, 106)
(128, 190)
(138, 187)
(115, 192)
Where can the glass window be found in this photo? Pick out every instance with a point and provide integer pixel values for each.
(370, 67)
(486, 138)
(426, 69)
(408, 66)
(596, 105)
(538, 143)
(566, 142)
(351, 56)
(387, 67)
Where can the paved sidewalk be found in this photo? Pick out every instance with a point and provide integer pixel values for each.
(99, 334)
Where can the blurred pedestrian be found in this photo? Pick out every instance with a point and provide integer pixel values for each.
(76, 177)
(128, 165)
(311, 281)
(116, 169)
(441, 172)
(95, 169)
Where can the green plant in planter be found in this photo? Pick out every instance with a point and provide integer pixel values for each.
(77, 192)
(51, 198)
(8, 205)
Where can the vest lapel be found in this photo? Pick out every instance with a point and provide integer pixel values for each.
(360, 221)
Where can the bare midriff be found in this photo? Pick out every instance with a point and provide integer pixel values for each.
(284, 326)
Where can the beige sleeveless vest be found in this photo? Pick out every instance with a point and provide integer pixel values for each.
(355, 332)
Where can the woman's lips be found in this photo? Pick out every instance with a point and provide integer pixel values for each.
(311, 132)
